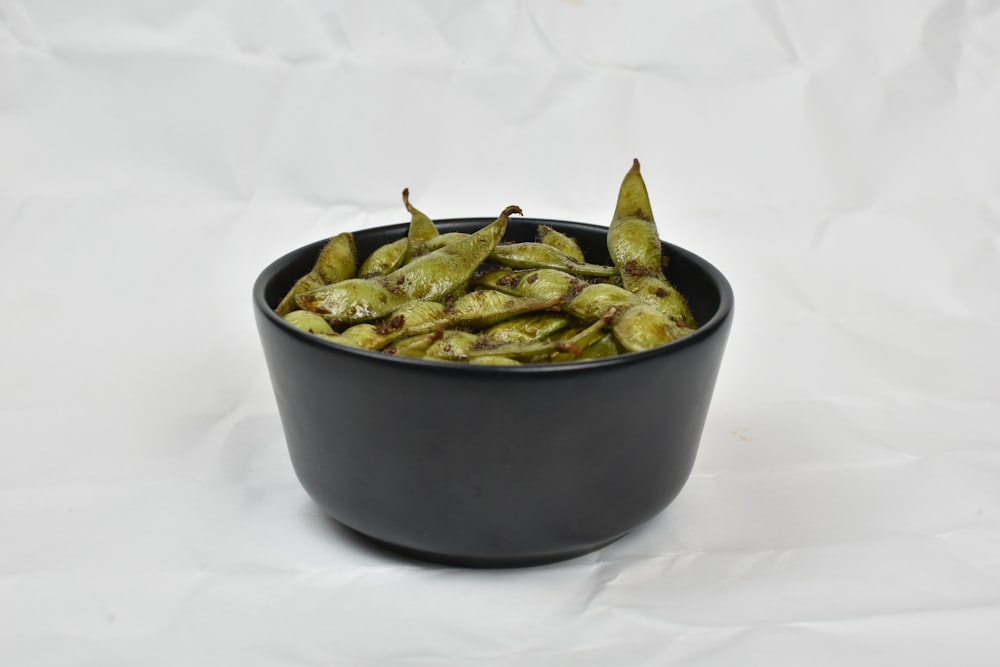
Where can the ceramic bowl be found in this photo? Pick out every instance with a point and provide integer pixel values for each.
(494, 465)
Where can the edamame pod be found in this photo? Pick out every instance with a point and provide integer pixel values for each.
(606, 346)
(524, 328)
(414, 346)
(337, 261)
(567, 245)
(540, 255)
(354, 300)
(309, 322)
(384, 259)
(640, 330)
(482, 308)
(439, 242)
(636, 250)
(537, 284)
(421, 230)
(494, 360)
(642, 327)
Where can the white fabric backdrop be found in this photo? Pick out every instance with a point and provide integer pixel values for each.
(839, 161)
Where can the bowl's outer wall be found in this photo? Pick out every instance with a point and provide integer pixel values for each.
(494, 465)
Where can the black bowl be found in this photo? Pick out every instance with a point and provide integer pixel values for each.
(494, 465)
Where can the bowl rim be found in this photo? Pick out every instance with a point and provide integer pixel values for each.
(718, 320)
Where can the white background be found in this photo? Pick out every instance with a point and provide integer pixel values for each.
(838, 161)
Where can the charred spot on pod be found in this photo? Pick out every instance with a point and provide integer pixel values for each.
(391, 325)
(633, 268)
(509, 280)
(576, 288)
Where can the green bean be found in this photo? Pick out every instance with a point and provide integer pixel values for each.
(337, 261)
(384, 259)
(567, 245)
(540, 255)
(429, 277)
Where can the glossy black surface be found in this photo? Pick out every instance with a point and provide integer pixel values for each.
(494, 466)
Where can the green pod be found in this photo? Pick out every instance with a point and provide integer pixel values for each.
(439, 272)
(337, 339)
(542, 256)
(352, 301)
(414, 347)
(567, 245)
(594, 301)
(384, 259)
(452, 345)
(639, 330)
(364, 336)
(525, 328)
(410, 319)
(437, 243)
(605, 346)
(537, 350)
(337, 261)
(494, 360)
(309, 322)
(482, 308)
(429, 277)
(457, 345)
(576, 345)
(636, 250)
(642, 327)
(633, 240)
(664, 297)
(421, 230)
(536, 284)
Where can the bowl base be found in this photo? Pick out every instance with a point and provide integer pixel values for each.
(486, 562)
